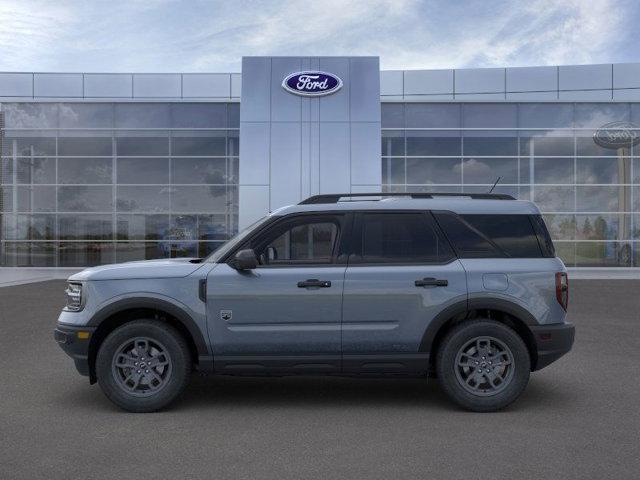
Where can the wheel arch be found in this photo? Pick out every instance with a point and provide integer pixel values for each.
(126, 310)
(503, 311)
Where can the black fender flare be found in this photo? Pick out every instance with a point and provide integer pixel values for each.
(155, 304)
(464, 307)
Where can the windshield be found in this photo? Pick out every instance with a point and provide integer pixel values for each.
(234, 241)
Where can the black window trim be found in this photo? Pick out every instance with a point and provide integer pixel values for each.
(344, 220)
(355, 253)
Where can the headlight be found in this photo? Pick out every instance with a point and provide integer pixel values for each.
(74, 297)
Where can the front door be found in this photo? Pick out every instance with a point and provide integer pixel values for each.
(285, 314)
(401, 275)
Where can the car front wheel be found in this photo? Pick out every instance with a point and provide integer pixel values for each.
(143, 365)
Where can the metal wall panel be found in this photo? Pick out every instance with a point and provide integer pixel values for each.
(16, 84)
(108, 85)
(334, 157)
(335, 107)
(391, 82)
(426, 82)
(626, 75)
(255, 145)
(585, 77)
(285, 181)
(157, 85)
(479, 80)
(532, 79)
(216, 85)
(68, 85)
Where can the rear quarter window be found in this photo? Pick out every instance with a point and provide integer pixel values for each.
(492, 236)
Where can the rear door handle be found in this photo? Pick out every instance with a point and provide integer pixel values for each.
(313, 282)
(431, 282)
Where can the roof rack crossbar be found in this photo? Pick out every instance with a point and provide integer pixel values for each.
(335, 197)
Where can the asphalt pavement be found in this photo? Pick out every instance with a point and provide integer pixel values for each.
(578, 419)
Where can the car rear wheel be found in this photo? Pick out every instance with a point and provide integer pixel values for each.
(143, 365)
(483, 365)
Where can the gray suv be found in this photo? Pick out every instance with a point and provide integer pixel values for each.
(463, 287)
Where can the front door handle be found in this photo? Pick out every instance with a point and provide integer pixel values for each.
(313, 282)
(431, 282)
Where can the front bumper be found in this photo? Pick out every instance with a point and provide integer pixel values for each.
(75, 343)
(552, 342)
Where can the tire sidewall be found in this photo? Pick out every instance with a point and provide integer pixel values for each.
(446, 361)
(176, 349)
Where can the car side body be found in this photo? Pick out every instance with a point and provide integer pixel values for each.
(349, 313)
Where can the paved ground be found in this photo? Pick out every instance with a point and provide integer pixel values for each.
(578, 419)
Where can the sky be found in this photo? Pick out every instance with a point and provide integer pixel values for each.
(212, 36)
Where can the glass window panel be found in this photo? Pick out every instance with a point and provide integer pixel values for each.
(30, 115)
(29, 146)
(85, 226)
(233, 170)
(392, 143)
(429, 189)
(434, 170)
(90, 146)
(545, 115)
(233, 110)
(561, 227)
(432, 115)
(199, 199)
(80, 254)
(487, 170)
(178, 249)
(603, 254)
(598, 114)
(152, 199)
(183, 227)
(212, 227)
(6, 199)
(40, 254)
(393, 170)
(546, 144)
(603, 227)
(490, 115)
(206, 248)
(554, 199)
(553, 170)
(34, 227)
(6, 171)
(85, 170)
(233, 143)
(199, 170)
(199, 115)
(567, 252)
(392, 115)
(600, 199)
(602, 170)
(132, 251)
(586, 145)
(36, 170)
(434, 143)
(142, 170)
(142, 115)
(636, 171)
(142, 227)
(147, 146)
(36, 199)
(86, 115)
(490, 145)
(210, 144)
(85, 199)
(8, 226)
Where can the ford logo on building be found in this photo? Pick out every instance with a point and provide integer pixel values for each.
(312, 84)
(617, 135)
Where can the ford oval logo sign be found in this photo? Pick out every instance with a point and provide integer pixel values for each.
(617, 135)
(312, 84)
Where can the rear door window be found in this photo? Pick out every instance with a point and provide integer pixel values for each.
(401, 238)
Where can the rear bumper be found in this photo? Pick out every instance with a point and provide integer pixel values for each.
(552, 342)
(74, 345)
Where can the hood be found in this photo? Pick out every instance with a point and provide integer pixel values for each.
(164, 268)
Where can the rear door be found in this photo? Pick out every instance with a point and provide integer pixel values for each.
(401, 274)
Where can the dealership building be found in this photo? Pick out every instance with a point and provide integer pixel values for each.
(102, 167)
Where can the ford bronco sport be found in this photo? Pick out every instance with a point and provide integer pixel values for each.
(463, 287)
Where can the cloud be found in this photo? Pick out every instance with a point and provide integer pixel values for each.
(174, 36)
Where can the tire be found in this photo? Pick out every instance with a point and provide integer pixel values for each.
(140, 383)
(500, 383)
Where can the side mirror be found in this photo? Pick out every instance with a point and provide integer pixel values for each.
(245, 260)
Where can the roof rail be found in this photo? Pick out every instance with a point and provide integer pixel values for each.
(335, 197)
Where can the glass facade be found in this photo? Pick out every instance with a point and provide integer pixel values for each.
(92, 183)
(545, 152)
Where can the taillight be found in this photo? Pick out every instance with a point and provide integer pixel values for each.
(562, 289)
